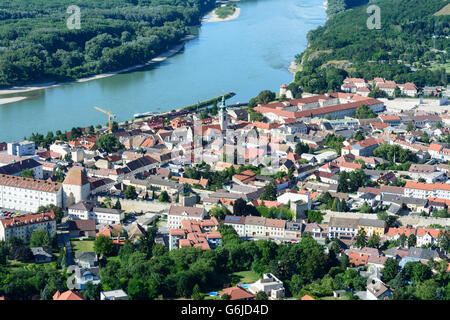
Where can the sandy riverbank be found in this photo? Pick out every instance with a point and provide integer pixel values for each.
(23, 89)
(10, 100)
(214, 18)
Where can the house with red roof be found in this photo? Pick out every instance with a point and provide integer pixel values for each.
(68, 295)
(237, 293)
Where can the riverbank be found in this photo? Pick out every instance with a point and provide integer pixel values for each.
(214, 18)
(24, 89)
(10, 100)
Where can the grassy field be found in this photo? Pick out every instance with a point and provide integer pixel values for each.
(444, 11)
(245, 277)
(82, 246)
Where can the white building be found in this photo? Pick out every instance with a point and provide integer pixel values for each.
(255, 226)
(178, 213)
(86, 210)
(270, 284)
(274, 228)
(24, 148)
(237, 222)
(27, 194)
(422, 190)
(23, 227)
(113, 295)
(60, 147)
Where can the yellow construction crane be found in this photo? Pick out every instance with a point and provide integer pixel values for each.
(110, 116)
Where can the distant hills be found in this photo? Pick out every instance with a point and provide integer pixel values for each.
(402, 50)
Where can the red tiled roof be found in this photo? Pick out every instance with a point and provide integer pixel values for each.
(68, 295)
(237, 293)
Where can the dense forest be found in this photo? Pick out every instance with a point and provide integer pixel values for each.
(36, 44)
(402, 50)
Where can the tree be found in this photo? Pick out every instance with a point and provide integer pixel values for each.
(118, 206)
(444, 241)
(427, 290)
(196, 294)
(103, 245)
(108, 142)
(225, 296)
(92, 291)
(425, 138)
(266, 96)
(27, 173)
(130, 193)
(374, 241)
(390, 270)
(301, 148)
(361, 239)
(402, 240)
(412, 240)
(397, 92)
(409, 127)
(164, 197)
(239, 207)
(365, 208)
(40, 238)
(269, 192)
(364, 112)
(218, 212)
(261, 295)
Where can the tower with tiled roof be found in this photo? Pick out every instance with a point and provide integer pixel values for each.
(76, 186)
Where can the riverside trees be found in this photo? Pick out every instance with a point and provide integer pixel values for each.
(115, 34)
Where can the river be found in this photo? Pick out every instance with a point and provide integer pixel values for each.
(245, 55)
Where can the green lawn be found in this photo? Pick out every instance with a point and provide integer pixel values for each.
(82, 246)
(245, 277)
(324, 150)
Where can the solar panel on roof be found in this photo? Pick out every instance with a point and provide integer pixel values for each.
(233, 218)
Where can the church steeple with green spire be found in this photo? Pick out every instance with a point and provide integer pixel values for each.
(223, 115)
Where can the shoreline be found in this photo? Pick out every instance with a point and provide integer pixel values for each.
(11, 100)
(214, 18)
(48, 85)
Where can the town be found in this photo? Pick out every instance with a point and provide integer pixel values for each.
(343, 195)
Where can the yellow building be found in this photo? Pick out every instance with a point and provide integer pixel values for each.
(372, 226)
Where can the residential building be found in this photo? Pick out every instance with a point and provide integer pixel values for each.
(342, 226)
(68, 295)
(16, 168)
(23, 227)
(27, 194)
(378, 291)
(426, 190)
(270, 284)
(372, 226)
(42, 255)
(237, 222)
(178, 213)
(255, 226)
(196, 233)
(113, 295)
(237, 293)
(23, 148)
(87, 209)
(275, 228)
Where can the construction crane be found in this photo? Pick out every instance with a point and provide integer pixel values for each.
(110, 116)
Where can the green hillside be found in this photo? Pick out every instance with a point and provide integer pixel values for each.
(345, 46)
(37, 45)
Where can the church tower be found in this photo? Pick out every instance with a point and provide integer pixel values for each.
(223, 117)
